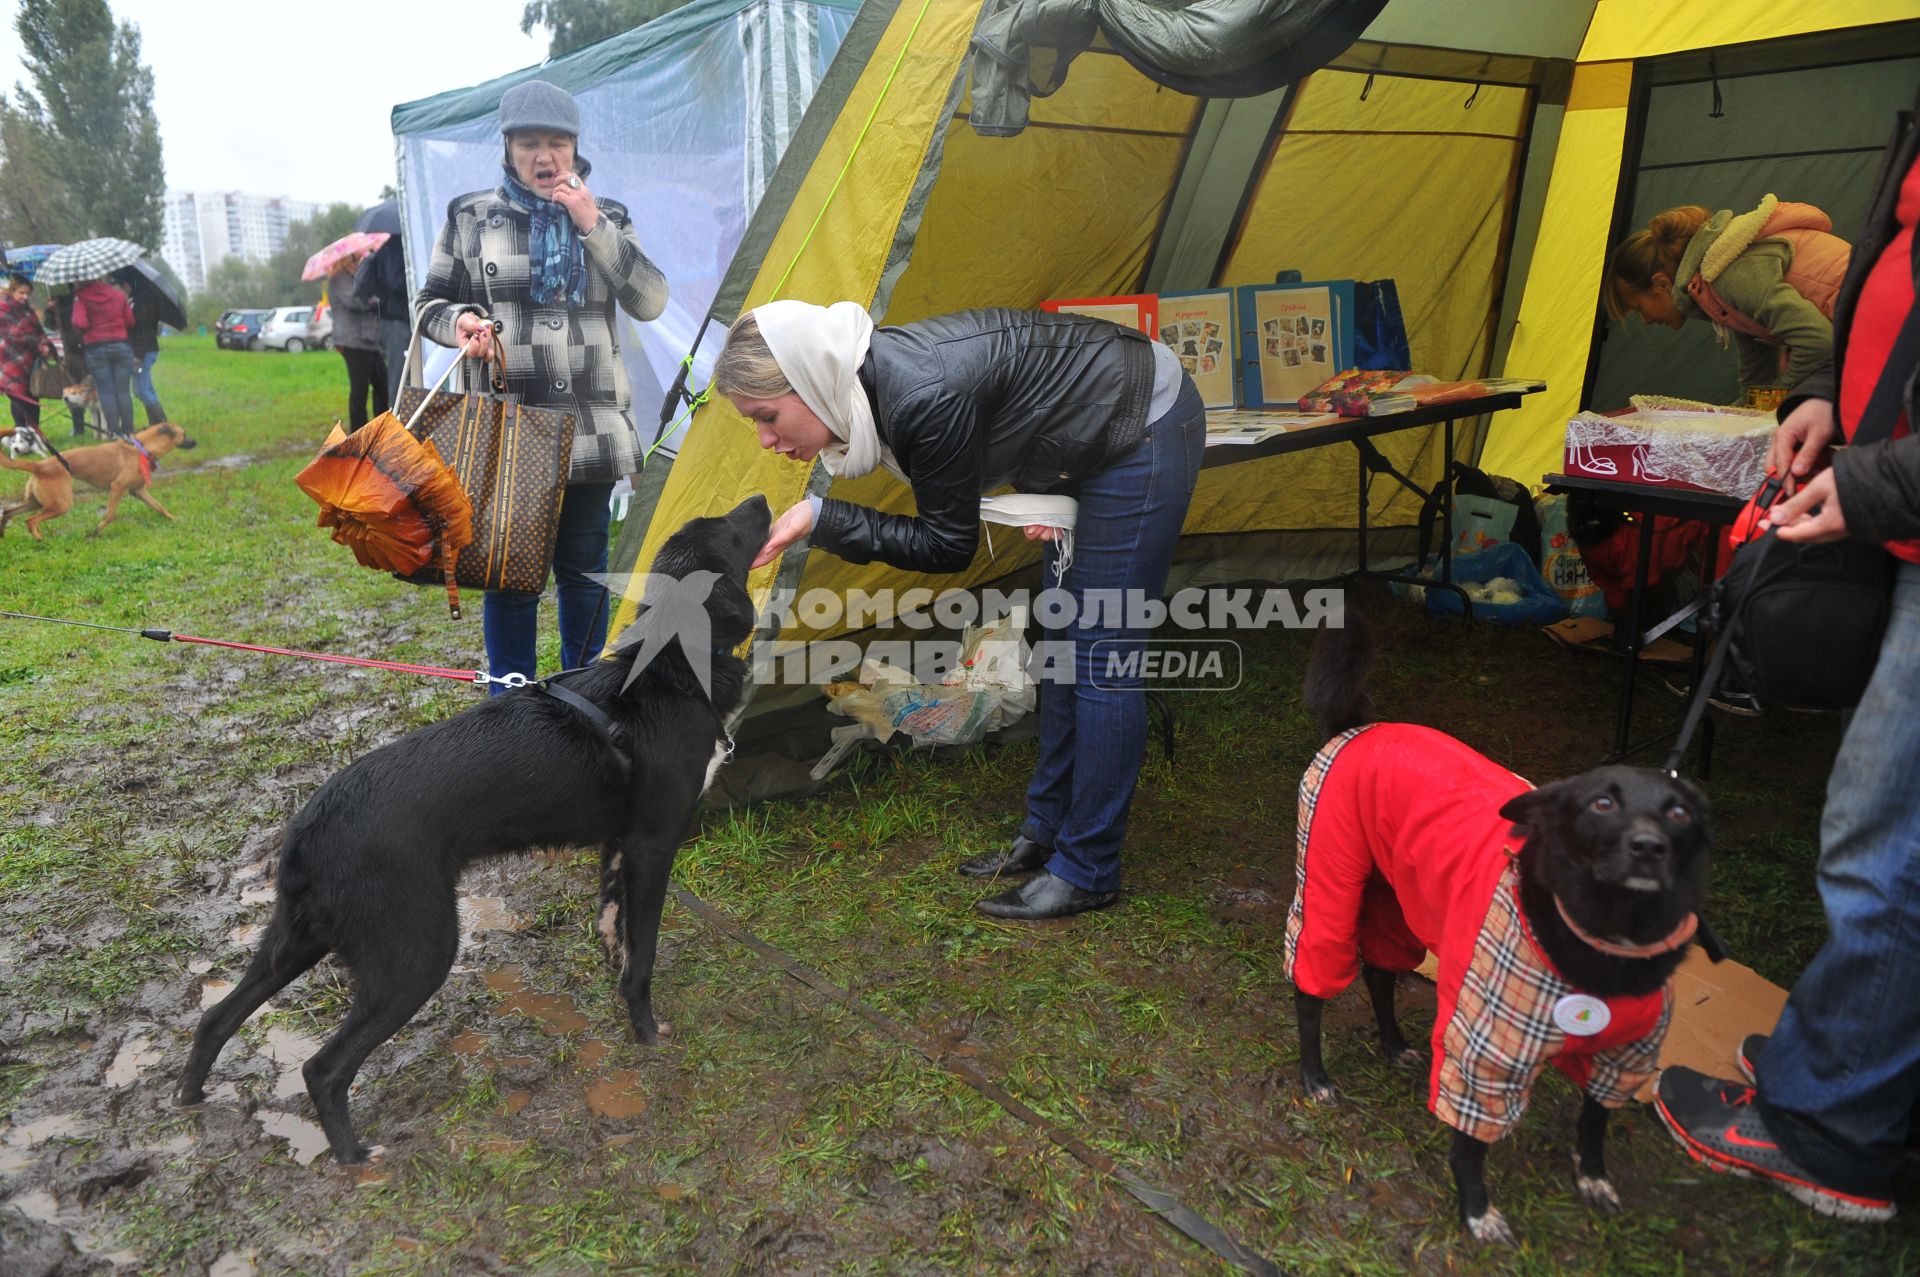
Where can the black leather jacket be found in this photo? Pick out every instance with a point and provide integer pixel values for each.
(1879, 485)
(976, 400)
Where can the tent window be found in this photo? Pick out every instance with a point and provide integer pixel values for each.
(1808, 134)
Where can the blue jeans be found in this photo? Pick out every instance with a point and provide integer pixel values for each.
(1093, 738)
(112, 364)
(511, 621)
(143, 387)
(1839, 1076)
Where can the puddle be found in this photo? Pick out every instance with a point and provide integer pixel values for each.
(468, 1043)
(488, 913)
(174, 1147)
(305, 1140)
(200, 966)
(289, 1050)
(41, 1206)
(622, 1140)
(592, 1052)
(257, 896)
(517, 1100)
(232, 1264)
(247, 934)
(555, 1013)
(617, 1095)
(136, 1055)
(13, 1161)
(39, 1131)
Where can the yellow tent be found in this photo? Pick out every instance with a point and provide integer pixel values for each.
(1469, 149)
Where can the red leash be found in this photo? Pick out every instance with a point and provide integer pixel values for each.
(396, 667)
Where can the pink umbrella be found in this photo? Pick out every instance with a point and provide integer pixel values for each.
(352, 244)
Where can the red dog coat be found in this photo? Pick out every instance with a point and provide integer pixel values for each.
(1402, 850)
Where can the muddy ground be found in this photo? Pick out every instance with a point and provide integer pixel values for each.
(776, 1132)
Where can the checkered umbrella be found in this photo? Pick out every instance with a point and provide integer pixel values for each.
(89, 259)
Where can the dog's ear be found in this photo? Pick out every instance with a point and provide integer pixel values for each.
(1537, 808)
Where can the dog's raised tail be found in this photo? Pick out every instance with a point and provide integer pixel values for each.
(1336, 687)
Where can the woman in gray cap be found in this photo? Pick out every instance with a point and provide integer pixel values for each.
(545, 260)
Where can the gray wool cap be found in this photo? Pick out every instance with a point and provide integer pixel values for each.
(536, 104)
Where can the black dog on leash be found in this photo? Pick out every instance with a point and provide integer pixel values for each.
(1558, 915)
(370, 866)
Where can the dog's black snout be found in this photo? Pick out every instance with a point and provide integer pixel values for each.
(1647, 846)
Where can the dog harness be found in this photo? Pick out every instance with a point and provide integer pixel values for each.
(1402, 851)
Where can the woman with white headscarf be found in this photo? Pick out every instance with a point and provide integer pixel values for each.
(1073, 408)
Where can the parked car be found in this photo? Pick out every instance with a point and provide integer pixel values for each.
(239, 329)
(294, 329)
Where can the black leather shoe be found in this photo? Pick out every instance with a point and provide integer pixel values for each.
(1045, 896)
(1023, 857)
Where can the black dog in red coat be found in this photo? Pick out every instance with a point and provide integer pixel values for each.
(1558, 915)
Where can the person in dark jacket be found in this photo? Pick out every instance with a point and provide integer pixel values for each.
(1825, 1113)
(955, 407)
(59, 317)
(382, 282)
(552, 265)
(356, 335)
(102, 316)
(144, 338)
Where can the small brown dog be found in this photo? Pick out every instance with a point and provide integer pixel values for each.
(120, 467)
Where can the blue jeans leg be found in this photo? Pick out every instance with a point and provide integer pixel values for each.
(1839, 1075)
(1093, 737)
(112, 364)
(143, 387)
(511, 621)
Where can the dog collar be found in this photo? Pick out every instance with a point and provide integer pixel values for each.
(1615, 949)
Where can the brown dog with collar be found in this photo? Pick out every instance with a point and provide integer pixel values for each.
(120, 467)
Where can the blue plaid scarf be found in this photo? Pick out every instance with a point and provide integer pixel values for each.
(557, 260)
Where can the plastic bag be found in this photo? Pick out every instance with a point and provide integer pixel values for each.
(1505, 587)
(989, 689)
(1560, 562)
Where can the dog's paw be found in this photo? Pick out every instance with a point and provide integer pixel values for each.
(185, 1099)
(1322, 1093)
(1598, 1193)
(1491, 1229)
(1408, 1057)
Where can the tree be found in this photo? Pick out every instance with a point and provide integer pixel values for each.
(577, 23)
(35, 205)
(89, 120)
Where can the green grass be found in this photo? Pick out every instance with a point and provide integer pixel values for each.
(782, 1132)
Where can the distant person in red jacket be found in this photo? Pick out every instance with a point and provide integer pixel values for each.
(102, 316)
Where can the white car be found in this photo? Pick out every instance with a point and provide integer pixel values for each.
(293, 329)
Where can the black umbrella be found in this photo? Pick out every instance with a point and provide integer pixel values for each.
(143, 278)
(382, 218)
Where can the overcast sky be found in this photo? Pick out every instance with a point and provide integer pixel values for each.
(278, 99)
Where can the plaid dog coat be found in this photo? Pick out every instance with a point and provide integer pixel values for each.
(1402, 850)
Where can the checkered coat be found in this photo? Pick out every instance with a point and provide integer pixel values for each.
(1402, 850)
(556, 357)
(22, 339)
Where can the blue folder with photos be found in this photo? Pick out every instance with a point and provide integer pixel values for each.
(1292, 337)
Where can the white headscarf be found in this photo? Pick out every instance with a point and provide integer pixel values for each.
(820, 349)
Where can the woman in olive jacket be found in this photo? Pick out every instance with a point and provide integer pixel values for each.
(959, 405)
(550, 265)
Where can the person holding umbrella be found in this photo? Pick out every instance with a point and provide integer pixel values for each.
(545, 263)
(155, 302)
(356, 335)
(101, 316)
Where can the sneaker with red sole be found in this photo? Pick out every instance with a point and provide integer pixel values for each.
(1718, 1125)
